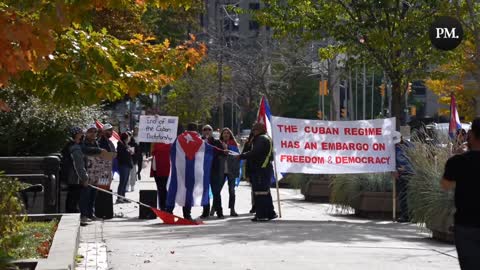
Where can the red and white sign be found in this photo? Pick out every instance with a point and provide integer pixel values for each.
(333, 147)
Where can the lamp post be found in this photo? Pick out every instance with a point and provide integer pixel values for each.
(220, 9)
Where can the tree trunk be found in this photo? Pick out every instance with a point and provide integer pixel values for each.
(397, 102)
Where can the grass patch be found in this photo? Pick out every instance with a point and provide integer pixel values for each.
(36, 239)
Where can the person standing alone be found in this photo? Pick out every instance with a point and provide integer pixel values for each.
(461, 173)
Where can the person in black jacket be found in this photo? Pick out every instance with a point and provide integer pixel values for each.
(125, 164)
(260, 168)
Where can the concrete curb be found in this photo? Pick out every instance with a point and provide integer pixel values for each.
(65, 243)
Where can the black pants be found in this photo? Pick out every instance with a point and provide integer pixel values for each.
(161, 182)
(263, 198)
(467, 241)
(216, 182)
(402, 195)
(73, 198)
(217, 186)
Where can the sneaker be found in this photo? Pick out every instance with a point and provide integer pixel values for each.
(233, 213)
(188, 217)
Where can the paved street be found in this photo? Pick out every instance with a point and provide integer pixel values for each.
(309, 236)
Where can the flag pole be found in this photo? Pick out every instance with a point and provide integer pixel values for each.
(276, 181)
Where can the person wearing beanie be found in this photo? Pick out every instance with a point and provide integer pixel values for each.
(74, 173)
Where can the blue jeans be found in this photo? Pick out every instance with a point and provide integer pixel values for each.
(467, 241)
(124, 175)
(87, 201)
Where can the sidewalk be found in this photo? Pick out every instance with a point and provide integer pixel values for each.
(308, 236)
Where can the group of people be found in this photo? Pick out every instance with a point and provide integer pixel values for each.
(225, 168)
(91, 141)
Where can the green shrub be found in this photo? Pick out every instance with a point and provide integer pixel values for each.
(427, 202)
(346, 188)
(11, 220)
(35, 127)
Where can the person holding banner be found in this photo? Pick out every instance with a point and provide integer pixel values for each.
(404, 171)
(261, 157)
(229, 168)
(91, 147)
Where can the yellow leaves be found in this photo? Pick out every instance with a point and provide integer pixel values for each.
(166, 43)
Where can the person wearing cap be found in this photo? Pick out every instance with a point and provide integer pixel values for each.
(260, 161)
(404, 171)
(216, 179)
(461, 174)
(104, 141)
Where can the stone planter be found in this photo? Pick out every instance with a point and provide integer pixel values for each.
(374, 205)
(317, 190)
(64, 245)
(442, 229)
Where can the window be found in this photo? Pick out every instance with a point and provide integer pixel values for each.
(254, 6)
(253, 25)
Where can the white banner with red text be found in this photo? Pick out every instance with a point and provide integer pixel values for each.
(333, 147)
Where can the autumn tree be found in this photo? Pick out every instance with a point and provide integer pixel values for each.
(468, 11)
(49, 48)
(454, 78)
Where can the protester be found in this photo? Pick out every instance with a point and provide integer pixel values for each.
(125, 164)
(229, 167)
(134, 149)
(404, 171)
(91, 147)
(68, 174)
(191, 161)
(461, 173)
(104, 141)
(216, 177)
(260, 157)
(247, 169)
(160, 170)
(79, 174)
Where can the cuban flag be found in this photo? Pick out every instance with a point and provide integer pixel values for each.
(264, 116)
(191, 160)
(454, 118)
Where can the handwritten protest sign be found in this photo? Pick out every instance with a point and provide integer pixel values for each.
(333, 147)
(160, 129)
(99, 171)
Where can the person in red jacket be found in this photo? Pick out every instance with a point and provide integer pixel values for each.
(160, 170)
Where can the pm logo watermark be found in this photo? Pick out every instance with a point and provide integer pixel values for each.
(446, 33)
